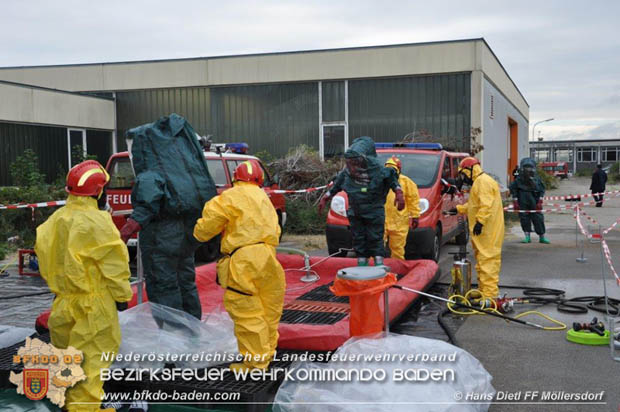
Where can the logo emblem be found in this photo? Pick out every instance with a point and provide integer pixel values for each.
(36, 383)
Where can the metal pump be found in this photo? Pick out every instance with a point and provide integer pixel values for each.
(461, 269)
(461, 275)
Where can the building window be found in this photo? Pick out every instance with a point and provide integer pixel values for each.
(542, 155)
(563, 155)
(586, 154)
(610, 154)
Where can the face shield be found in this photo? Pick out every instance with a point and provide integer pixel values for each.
(464, 178)
(358, 169)
(355, 165)
(528, 172)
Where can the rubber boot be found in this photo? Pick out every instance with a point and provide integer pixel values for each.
(527, 239)
(544, 240)
(362, 261)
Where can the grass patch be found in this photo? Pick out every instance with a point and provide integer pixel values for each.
(307, 242)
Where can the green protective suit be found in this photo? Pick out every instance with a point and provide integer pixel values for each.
(367, 193)
(85, 264)
(528, 190)
(172, 185)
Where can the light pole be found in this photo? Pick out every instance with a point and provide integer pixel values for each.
(534, 128)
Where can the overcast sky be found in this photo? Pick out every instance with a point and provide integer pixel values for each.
(563, 55)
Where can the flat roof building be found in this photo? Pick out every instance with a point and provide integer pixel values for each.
(579, 154)
(456, 92)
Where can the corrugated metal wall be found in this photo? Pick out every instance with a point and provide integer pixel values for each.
(389, 109)
(276, 117)
(267, 117)
(144, 106)
(332, 96)
(49, 143)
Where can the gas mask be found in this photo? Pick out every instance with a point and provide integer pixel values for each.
(462, 179)
(528, 173)
(358, 169)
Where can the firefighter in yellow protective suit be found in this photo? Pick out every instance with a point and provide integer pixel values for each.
(85, 264)
(486, 225)
(249, 271)
(398, 222)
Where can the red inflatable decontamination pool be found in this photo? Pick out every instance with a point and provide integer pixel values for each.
(313, 317)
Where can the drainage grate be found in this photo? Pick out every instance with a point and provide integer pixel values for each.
(313, 306)
(323, 294)
(311, 318)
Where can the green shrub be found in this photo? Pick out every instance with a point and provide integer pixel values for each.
(25, 170)
(78, 155)
(550, 182)
(31, 189)
(302, 217)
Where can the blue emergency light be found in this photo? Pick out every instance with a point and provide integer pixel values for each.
(422, 146)
(240, 148)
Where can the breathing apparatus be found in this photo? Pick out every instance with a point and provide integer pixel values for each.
(467, 164)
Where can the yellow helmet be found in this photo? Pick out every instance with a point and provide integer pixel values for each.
(394, 162)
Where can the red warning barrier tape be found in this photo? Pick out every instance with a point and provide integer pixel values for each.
(590, 218)
(34, 205)
(572, 197)
(558, 207)
(63, 202)
(604, 245)
(312, 189)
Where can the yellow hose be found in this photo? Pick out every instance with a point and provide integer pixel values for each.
(8, 264)
(464, 300)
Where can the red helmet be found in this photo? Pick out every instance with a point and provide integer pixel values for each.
(468, 163)
(249, 171)
(87, 179)
(394, 162)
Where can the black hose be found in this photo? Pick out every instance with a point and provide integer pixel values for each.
(24, 296)
(537, 291)
(576, 305)
(446, 328)
(572, 308)
(542, 292)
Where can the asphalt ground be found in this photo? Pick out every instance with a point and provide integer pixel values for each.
(524, 359)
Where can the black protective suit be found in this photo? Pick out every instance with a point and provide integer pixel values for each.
(599, 179)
